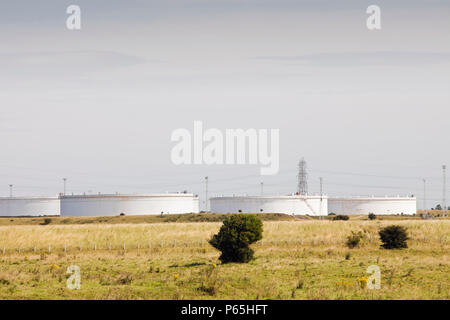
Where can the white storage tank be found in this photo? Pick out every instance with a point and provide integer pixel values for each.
(376, 205)
(29, 206)
(290, 204)
(139, 204)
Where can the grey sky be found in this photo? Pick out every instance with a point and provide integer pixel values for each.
(367, 109)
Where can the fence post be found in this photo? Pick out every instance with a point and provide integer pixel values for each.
(95, 247)
(4, 250)
(49, 248)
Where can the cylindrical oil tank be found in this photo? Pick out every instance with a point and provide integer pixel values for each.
(140, 204)
(375, 205)
(290, 204)
(29, 206)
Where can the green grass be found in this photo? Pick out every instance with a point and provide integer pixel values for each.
(191, 217)
(296, 260)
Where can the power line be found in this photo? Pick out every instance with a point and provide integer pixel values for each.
(368, 175)
(302, 187)
(64, 180)
(206, 194)
(444, 167)
(424, 194)
(321, 196)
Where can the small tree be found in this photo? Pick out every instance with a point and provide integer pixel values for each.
(393, 237)
(341, 217)
(354, 239)
(46, 221)
(372, 216)
(236, 234)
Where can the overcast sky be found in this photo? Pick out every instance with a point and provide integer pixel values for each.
(369, 110)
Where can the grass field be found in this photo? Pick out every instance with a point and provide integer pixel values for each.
(190, 217)
(297, 259)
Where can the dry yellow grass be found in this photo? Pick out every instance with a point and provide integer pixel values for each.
(295, 260)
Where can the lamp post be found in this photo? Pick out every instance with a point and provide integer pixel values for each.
(206, 193)
(64, 190)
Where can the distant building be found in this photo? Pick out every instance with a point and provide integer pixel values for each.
(376, 205)
(290, 204)
(139, 204)
(29, 206)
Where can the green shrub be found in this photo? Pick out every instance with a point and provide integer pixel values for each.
(46, 221)
(372, 216)
(124, 279)
(341, 217)
(236, 234)
(354, 239)
(393, 237)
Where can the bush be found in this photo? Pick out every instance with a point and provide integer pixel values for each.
(393, 237)
(236, 234)
(46, 221)
(372, 216)
(354, 239)
(124, 279)
(341, 217)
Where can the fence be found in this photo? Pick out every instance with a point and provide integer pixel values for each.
(199, 244)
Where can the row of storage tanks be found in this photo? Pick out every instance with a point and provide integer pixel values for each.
(175, 203)
(99, 205)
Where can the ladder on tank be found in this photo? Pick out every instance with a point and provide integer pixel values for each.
(309, 206)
